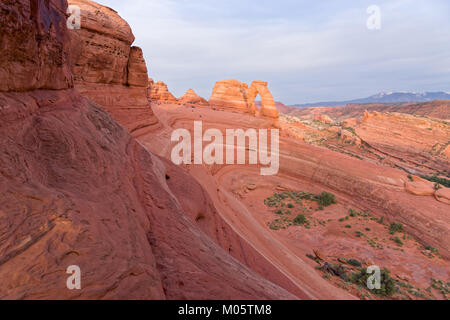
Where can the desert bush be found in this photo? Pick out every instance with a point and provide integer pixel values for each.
(325, 199)
(300, 220)
(395, 227)
(388, 284)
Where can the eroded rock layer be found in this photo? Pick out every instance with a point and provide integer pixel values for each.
(190, 97)
(108, 69)
(159, 92)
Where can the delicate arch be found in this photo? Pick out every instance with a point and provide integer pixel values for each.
(268, 108)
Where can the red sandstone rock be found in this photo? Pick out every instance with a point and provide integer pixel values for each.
(159, 92)
(407, 137)
(240, 224)
(191, 97)
(77, 189)
(230, 94)
(420, 187)
(108, 70)
(236, 95)
(268, 108)
(443, 195)
(439, 109)
(34, 46)
(323, 118)
(137, 69)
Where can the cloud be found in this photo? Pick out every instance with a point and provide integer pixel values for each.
(307, 52)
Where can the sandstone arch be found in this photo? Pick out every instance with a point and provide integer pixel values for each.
(238, 95)
(268, 108)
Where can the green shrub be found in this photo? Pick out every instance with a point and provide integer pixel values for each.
(398, 241)
(354, 262)
(442, 181)
(348, 226)
(300, 220)
(325, 199)
(290, 205)
(395, 227)
(388, 287)
(430, 248)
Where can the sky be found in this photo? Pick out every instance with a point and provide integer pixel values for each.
(308, 51)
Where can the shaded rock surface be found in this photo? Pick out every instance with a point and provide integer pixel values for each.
(34, 46)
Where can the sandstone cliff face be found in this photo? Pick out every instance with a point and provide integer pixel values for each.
(108, 69)
(159, 92)
(239, 96)
(190, 97)
(33, 45)
(77, 189)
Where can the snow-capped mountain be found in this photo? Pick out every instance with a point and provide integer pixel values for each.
(385, 97)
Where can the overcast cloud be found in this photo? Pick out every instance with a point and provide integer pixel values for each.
(307, 50)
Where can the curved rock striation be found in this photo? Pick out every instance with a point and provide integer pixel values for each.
(77, 189)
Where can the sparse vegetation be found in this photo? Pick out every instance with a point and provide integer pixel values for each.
(388, 285)
(398, 241)
(281, 223)
(395, 227)
(325, 199)
(354, 262)
(441, 181)
(298, 203)
(300, 220)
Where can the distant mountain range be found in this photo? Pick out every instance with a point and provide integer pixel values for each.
(384, 97)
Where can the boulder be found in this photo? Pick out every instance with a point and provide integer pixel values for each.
(420, 187)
